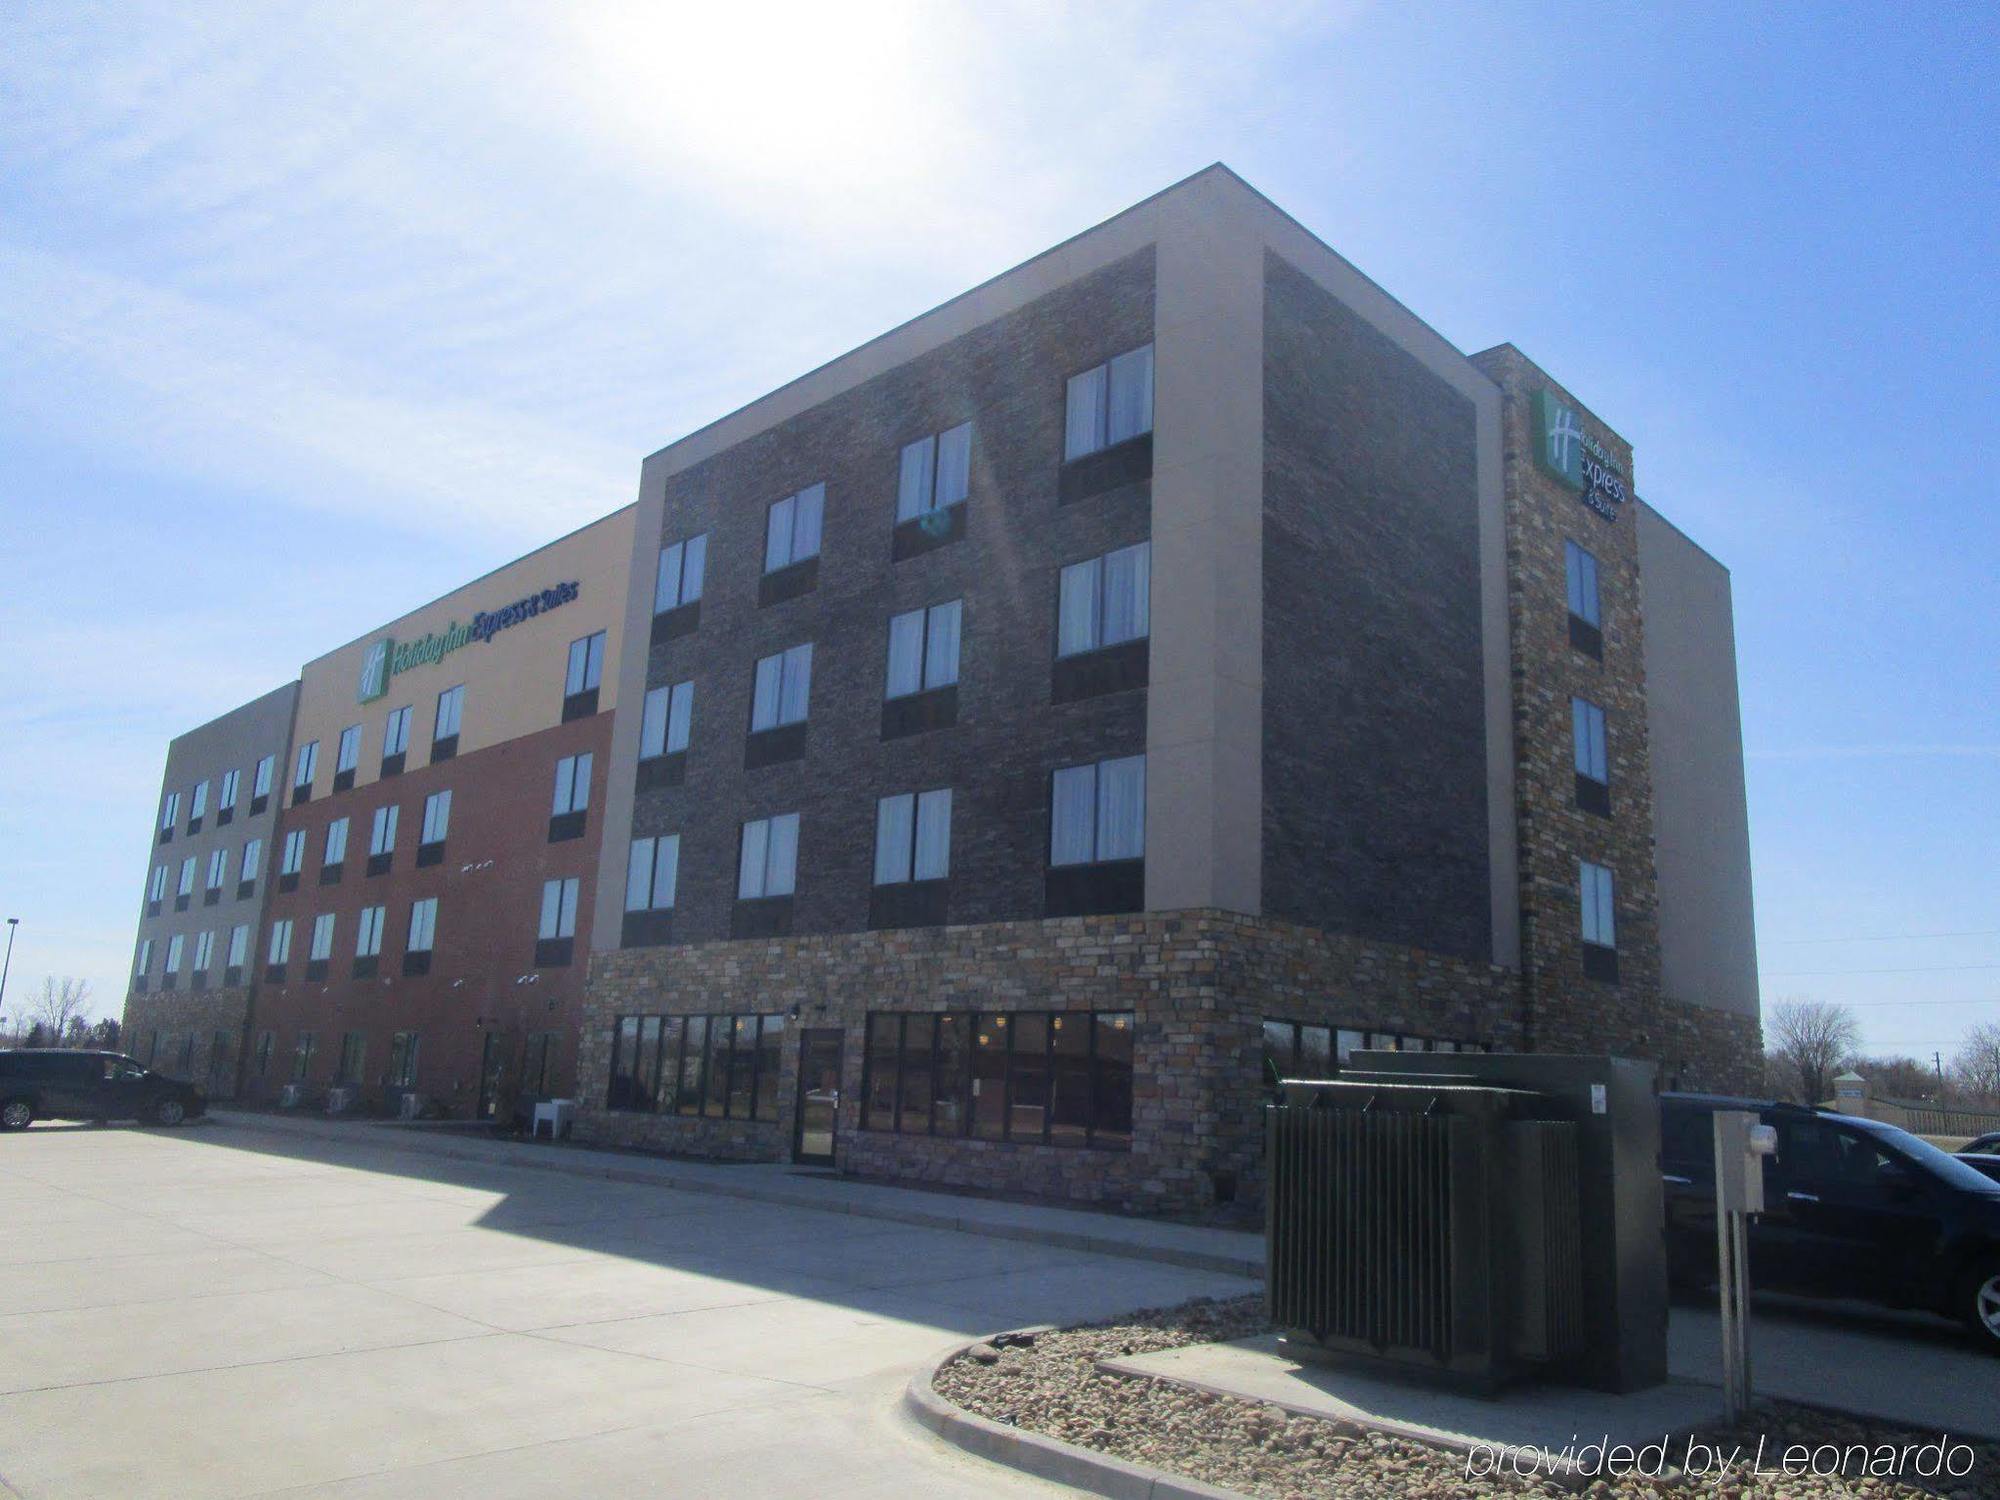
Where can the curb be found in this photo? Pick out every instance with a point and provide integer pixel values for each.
(662, 1174)
(1044, 1457)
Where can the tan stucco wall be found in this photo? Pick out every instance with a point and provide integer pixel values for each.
(1701, 820)
(513, 683)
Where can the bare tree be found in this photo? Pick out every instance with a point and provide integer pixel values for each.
(1976, 1065)
(1810, 1039)
(1898, 1077)
(60, 1002)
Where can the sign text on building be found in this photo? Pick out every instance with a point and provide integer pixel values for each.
(387, 657)
(1568, 453)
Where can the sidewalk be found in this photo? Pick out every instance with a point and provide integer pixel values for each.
(1227, 1250)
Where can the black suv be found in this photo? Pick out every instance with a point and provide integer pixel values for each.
(1852, 1208)
(60, 1084)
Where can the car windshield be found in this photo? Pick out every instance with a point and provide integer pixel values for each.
(1940, 1164)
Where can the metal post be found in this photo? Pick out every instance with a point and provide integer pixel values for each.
(8, 962)
(1740, 1146)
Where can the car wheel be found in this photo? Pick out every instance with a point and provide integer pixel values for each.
(1980, 1302)
(16, 1114)
(169, 1112)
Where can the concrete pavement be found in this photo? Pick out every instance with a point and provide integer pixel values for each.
(229, 1311)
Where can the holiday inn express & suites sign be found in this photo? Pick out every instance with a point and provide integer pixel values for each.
(1564, 451)
(389, 657)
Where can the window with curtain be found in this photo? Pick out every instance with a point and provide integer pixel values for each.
(1105, 601)
(586, 664)
(336, 842)
(368, 932)
(572, 791)
(437, 816)
(770, 858)
(308, 765)
(651, 873)
(280, 950)
(680, 574)
(1587, 730)
(783, 688)
(1098, 812)
(935, 472)
(261, 785)
(396, 731)
(450, 709)
(923, 649)
(322, 937)
(791, 531)
(913, 837)
(558, 918)
(1594, 887)
(1109, 404)
(382, 835)
(423, 925)
(664, 725)
(1580, 570)
(348, 755)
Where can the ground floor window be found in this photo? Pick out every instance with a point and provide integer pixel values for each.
(538, 1067)
(302, 1056)
(403, 1060)
(1059, 1078)
(353, 1054)
(715, 1067)
(1297, 1049)
(266, 1041)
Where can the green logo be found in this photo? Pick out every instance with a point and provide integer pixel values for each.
(1565, 452)
(375, 670)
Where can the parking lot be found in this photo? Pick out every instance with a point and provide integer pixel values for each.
(221, 1311)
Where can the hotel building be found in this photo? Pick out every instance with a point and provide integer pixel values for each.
(1165, 666)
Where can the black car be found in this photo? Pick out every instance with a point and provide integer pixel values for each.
(1982, 1145)
(1852, 1208)
(1986, 1163)
(61, 1084)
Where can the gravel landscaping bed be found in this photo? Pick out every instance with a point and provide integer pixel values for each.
(1049, 1383)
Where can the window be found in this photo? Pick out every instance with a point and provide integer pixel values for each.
(226, 797)
(396, 732)
(170, 812)
(348, 755)
(308, 764)
(1056, 1078)
(1580, 570)
(437, 816)
(293, 859)
(145, 964)
(403, 1060)
(382, 836)
(423, 925)
(770, 860)
(253, 861)
(368, 933)
(450, 708)
(302, 1056)
(586, 665)
(1098, 812)
(680, 575)
(913, 837)
(1105, 601)
(186, 886)
(572, 784)
(260, 786)
(280, 950)
(724, 1067)
(1595, 889)
(936, 472)
(174, 945)
(669, 713)
(1593, 766)
(1110, 403)
(239, 945)
(353, 1056)
(791, 533)
(266, 1042)
(198, 803)
(336, 842)
(783, 688)
(157, 890)
(218, 868)
(923, 649)
(558, 909)
(322, 938)
(651, 873)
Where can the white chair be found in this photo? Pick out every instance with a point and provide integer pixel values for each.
(558, 1112)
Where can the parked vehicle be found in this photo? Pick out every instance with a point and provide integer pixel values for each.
(1852, 1208)
(1987, 1164)
(1982, 1145)
(66, 1084)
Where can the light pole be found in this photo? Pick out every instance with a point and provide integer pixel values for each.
(8, 962)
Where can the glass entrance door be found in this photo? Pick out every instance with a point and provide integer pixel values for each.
(819, 1096)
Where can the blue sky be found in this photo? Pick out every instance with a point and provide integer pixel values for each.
(309, 313)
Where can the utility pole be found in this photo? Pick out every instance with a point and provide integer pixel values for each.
(1937, 1060)
(8, 962)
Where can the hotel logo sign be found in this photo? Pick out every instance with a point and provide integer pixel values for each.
(389, 657)
(1567, 453)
